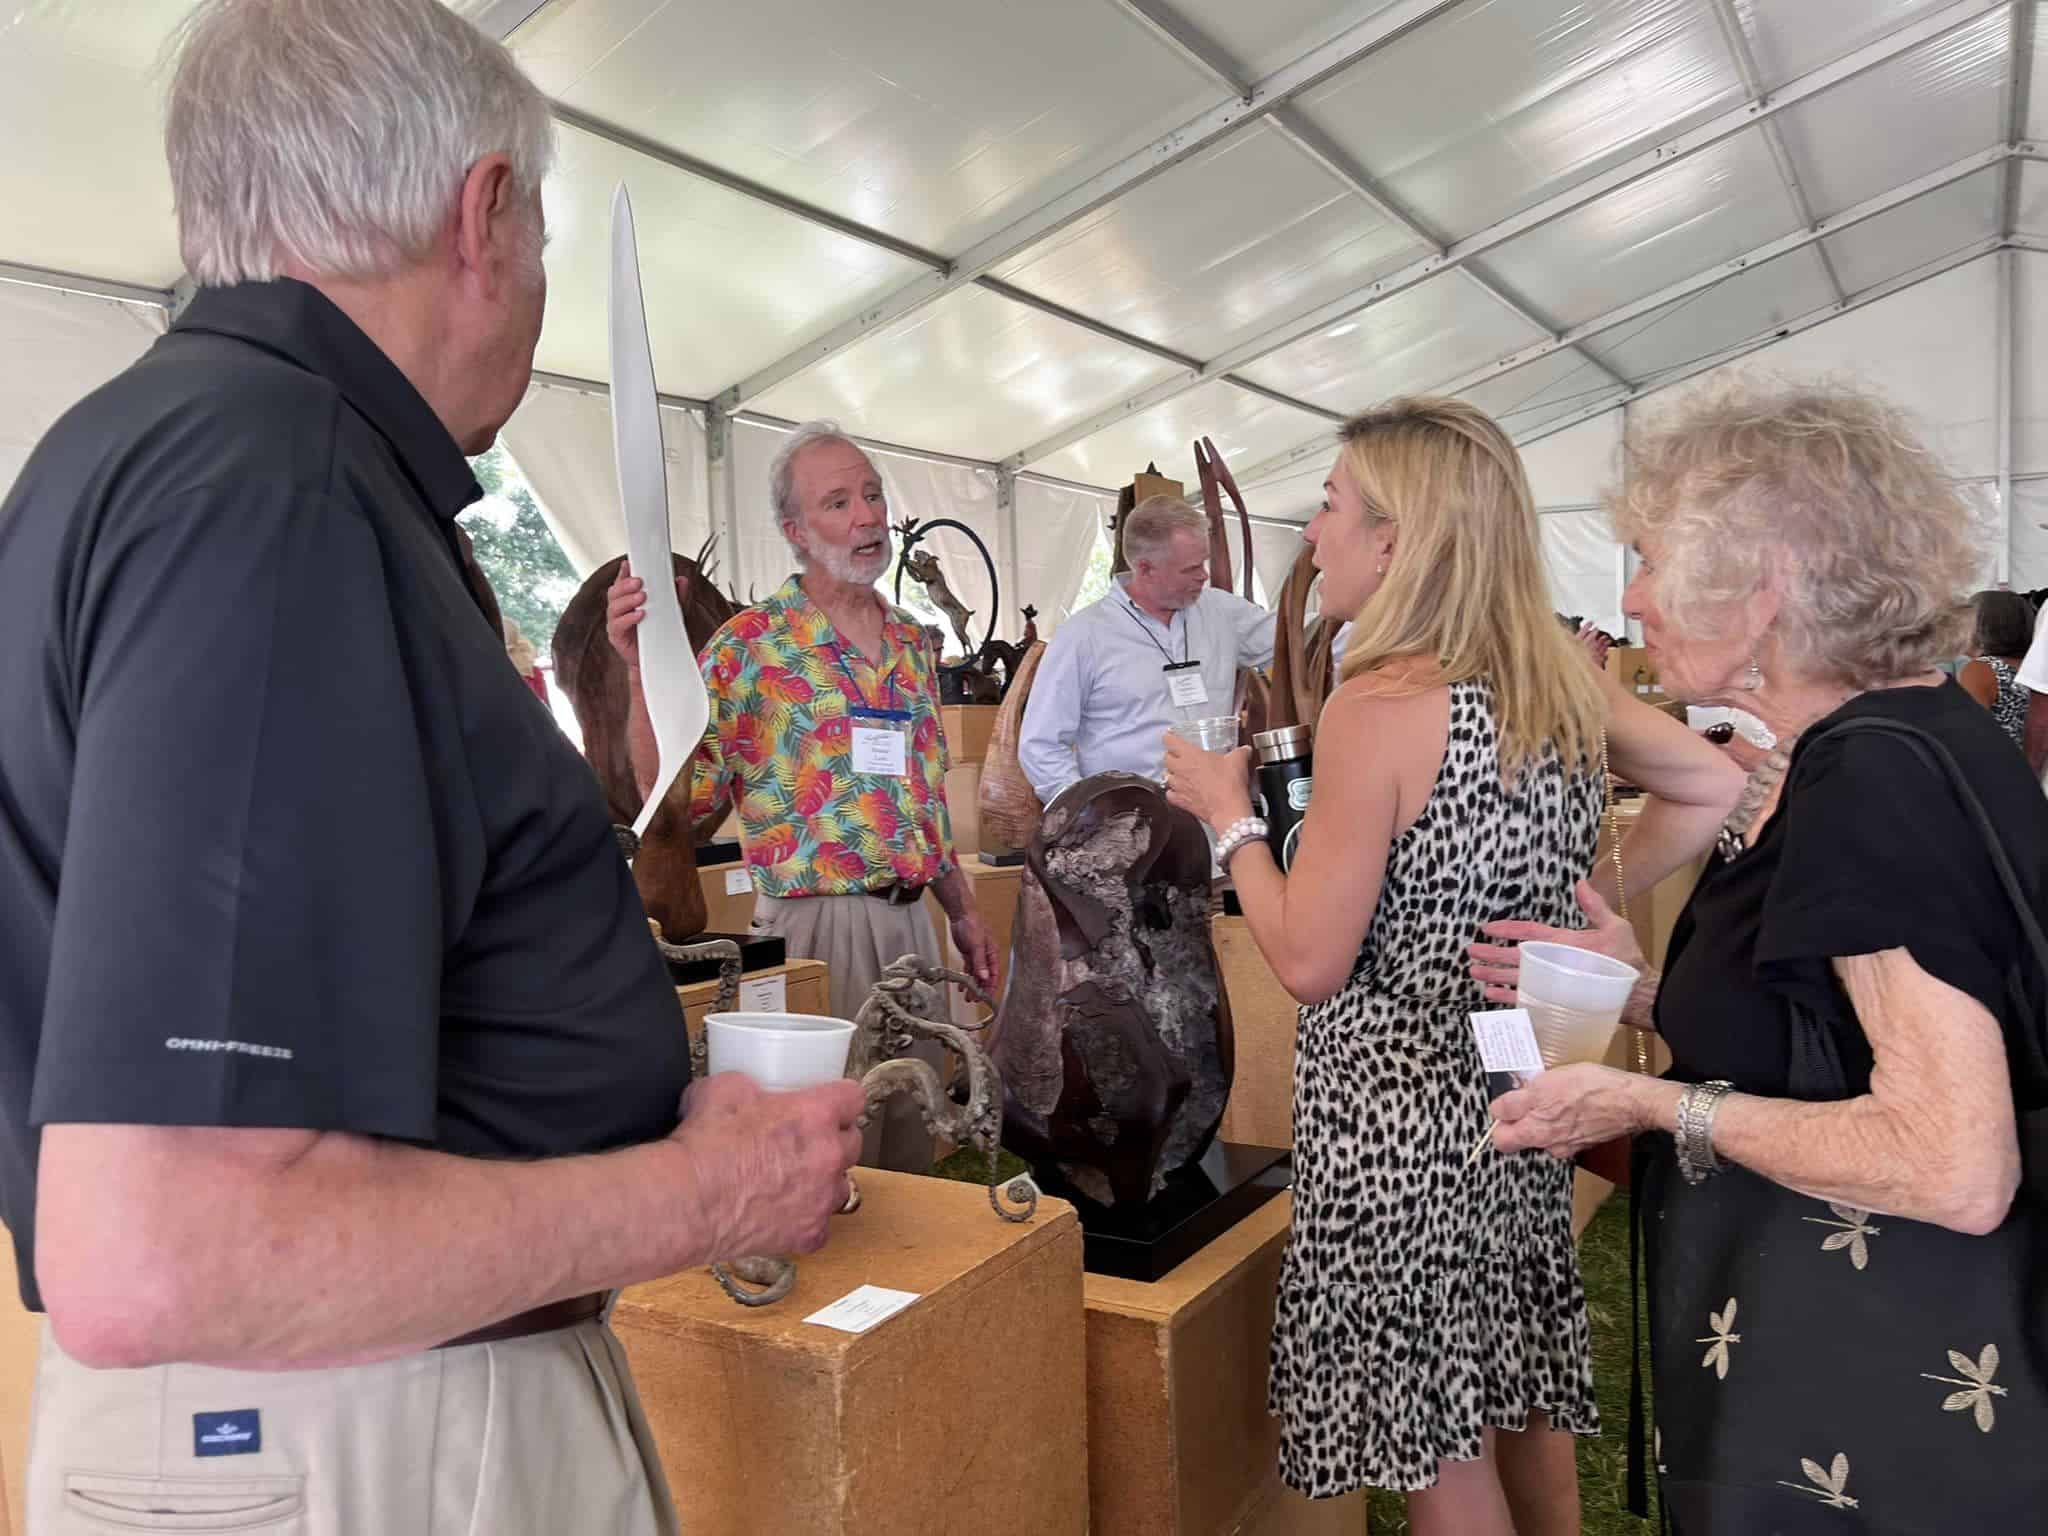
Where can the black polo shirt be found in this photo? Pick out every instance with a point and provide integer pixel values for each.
(284, 840)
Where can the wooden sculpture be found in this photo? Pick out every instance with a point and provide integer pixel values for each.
(593, 676)
(1009, 807)
(1114, 1042)
(1216, 477)
(1304, 667)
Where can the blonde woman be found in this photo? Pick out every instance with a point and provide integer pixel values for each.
(1431, 1330)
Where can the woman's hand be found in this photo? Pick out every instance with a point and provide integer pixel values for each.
(1214, 786)
(1568, 1109)
(1498, 967)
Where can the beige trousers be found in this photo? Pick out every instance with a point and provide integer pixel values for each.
(856, 936)
(541, 1436)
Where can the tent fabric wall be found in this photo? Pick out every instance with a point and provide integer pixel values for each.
(59, 347)
(561, 439)
(1056, 532)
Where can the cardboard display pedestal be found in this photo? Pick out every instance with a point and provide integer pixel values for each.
(1262, 1019)
(804, 990)
(958, 1414)
(1180, 1443)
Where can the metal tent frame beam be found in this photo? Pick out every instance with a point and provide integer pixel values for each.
(1770, 250)
(1258, 101)
(1723, 125)
(90, 287)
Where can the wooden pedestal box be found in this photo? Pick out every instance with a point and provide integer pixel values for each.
(1260, 1111)
(1179, 1443)
(968, 728)
(960, 1414)
(805, 989)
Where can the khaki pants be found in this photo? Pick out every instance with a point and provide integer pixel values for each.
(541, 1436)
(856, 936)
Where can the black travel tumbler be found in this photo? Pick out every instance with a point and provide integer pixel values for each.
(1285, 778)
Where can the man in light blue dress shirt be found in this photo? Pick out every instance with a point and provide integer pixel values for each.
(1164, 646)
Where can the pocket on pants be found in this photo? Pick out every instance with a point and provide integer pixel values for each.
(101, 1502)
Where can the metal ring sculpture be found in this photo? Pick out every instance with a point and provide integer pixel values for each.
(913, 533)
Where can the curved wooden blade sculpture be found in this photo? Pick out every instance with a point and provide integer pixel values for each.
(1215, 477)
(1114, 1042)
(1304, 668)
(1009, 807)
(593, 677)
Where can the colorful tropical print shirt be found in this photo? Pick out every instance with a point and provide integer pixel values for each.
(783, 686)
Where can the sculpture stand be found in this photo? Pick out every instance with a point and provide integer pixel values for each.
(959, 1414)
(1200, 1203)
(1178, 1367)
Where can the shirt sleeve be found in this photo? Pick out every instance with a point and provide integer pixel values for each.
(2034, 670)
(1878, 854)
(1256, 628)
(710, 766)
(1052, 715)
(250, 921)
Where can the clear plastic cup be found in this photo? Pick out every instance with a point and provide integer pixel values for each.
(781, 1052)
(1217, 734)
(1574, 998)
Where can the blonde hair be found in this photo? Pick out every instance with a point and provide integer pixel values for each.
(1466, 586)
(1152, 522)
(1822, 493)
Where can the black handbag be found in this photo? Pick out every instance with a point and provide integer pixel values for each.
(1826, 1369)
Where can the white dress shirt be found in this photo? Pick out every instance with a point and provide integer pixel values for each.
(2033, 671)
(1099, 702)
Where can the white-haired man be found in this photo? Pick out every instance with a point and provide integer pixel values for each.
(1162, 646)
(825, 733)
(342, 1075)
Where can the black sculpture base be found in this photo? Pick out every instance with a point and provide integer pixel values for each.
(1001, 860)
(1198, 1205)
(758, 952)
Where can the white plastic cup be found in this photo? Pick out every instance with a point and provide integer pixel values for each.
(1217, 734)
(780, 1052)
(1574, 998)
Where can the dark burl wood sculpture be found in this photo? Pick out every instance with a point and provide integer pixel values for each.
(593, 677)
(1114, 1040)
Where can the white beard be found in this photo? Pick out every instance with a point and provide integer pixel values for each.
(844, 565)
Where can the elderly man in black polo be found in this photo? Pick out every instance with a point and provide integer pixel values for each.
(341, 1075)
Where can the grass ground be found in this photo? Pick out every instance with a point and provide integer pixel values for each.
(1603, 1462)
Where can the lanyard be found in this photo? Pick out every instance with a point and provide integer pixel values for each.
(856, 700)
(1145, 630)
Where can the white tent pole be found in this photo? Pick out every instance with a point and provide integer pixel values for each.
(1008, 556)
(88, 287)
(721, 504)
(1636, 168)
(2004, 392)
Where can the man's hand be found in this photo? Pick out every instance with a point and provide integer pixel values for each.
(769, 1168)
(626, 606)
(977, 949)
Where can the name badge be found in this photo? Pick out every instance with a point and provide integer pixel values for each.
(881, 742)
(1184, 683)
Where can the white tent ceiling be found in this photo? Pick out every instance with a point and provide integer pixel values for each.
(1068, 237)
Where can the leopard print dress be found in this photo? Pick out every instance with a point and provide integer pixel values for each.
(1420, 1300)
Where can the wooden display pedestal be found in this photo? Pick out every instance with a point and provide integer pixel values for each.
(956, 1415)
(1179, 1442)
(1263, 1015)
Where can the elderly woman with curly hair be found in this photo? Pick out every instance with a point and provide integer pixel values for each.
(1846, 1264)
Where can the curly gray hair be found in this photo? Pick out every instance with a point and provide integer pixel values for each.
(1825, 494)
(336, 132)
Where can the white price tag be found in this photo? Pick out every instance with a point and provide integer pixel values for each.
(1507, 1042)
(880, 751)
(738, 882)
(858, 1311)
(1184, 683)
(764, 994)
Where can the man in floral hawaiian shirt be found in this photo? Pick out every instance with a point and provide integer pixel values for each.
(825, 735)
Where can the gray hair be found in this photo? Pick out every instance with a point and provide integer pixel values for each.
(336, 132)
(1152, 523)
(782, 471)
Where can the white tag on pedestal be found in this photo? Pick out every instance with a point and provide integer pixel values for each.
(764, 994)
(1507, 1042)
(738, 882)
(859, 1310)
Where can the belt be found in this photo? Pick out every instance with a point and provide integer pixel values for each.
(897, 893)
(546, 1319)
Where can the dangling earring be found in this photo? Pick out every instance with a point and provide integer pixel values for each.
(1755, 678)
(1383, 567)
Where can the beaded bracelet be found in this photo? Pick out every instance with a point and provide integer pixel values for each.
(1246, 829)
